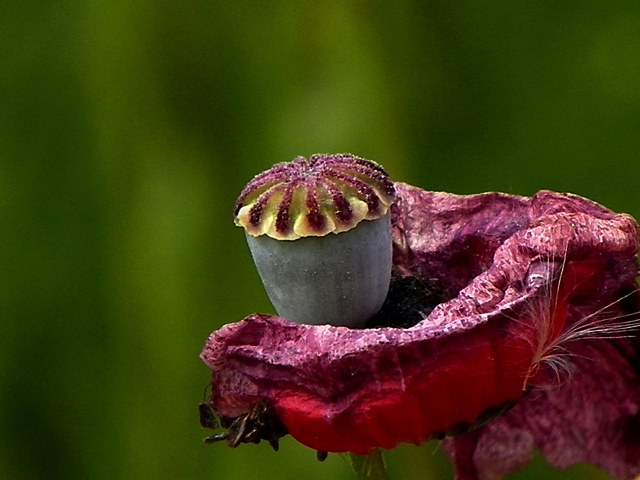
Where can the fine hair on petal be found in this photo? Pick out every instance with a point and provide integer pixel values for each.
(556, 323)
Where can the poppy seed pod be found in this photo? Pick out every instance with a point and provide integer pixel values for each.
(319, 232)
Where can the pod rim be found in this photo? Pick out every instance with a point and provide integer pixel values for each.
(315, 197)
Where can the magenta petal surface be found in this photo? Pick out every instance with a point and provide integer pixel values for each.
(496, 258)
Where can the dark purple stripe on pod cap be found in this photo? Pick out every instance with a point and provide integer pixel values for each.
(367, 193)
(282, 217)
(314, 218)
(342, 207)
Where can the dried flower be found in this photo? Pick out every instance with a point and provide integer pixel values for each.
(532, 341)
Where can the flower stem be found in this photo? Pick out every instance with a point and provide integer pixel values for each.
(368, 467)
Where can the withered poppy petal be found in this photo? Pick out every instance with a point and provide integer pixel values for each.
(517, 275)
(592, 416)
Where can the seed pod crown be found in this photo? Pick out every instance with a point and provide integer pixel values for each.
(327, 193)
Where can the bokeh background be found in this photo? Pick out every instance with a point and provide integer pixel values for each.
(127, 129)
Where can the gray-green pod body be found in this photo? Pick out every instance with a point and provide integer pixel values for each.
(339, 279)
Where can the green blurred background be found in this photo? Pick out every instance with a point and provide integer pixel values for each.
(127, 129)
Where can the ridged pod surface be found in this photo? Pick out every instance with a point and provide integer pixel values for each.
(301, 198)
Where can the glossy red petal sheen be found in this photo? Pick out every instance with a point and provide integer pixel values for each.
(466, 375)
(338, 389)
(401, 391)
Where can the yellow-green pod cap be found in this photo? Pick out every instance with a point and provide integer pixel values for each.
(325, 194)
